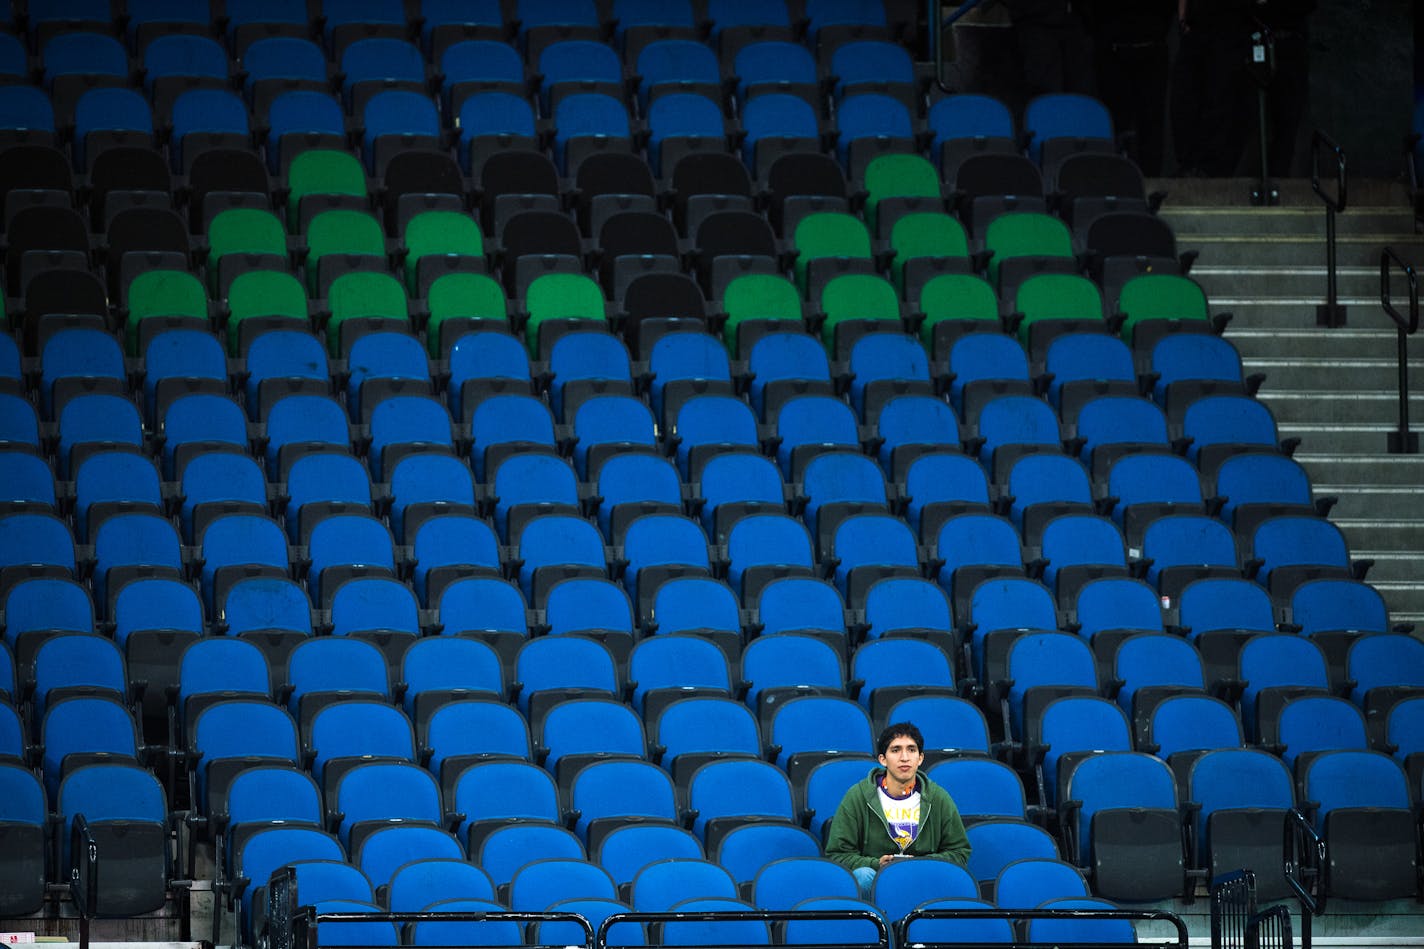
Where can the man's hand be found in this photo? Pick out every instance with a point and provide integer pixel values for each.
(885, 859)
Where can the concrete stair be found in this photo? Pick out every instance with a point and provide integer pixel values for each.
(1334, 388)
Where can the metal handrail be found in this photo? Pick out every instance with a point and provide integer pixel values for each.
(84, 875)
(1402, 441)
(1331, 313)
(1129, 914)
(1337, 203)
(731, 916)
(306, 922)
(1305, 854)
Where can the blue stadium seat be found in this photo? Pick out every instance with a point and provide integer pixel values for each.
(905, 884)
(552, 668)
(104, 117)
(1071, 729)
(1294, 548)
(774, 65)
(206, 119)
(1183, 727)
(82, 729)
(577, 732)
(1275, 669)
(626, 850)
(871, 123)
(807, 730)
(746, 849)
(893, 669)
(615, 792)
(348, 730)
(463, 733)
(417, 885)
(1125, 829)
(487, 607)
(391, 847)
(23, 813)
(982, 788)
(372, 793)
(659, 886)
(504, 833)
(996, 843)
(397, 119)
(693, 731)
(1042, 666)
(782, 884)
(826, 785)
(1149, 485)
(1363, 812)
(124, 810)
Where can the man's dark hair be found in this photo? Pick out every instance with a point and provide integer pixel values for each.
(898, 730)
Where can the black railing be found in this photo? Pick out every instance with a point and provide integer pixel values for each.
(1331, 312)
(1233, 903)
(83, 875)
(1270, 929)
(1235, 921)
(302, 931)
(1401, 441)
(732, 916)
(903, 926)
(1305, 869)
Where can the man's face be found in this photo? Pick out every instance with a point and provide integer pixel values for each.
(902, 759)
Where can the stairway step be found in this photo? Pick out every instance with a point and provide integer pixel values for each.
(1359, 440)
(1353, 250)
(1295, 193)
(1311, 343)
(1289, 372)
(1373, 500)
(1405, 602)
(1329, 467)
(1255, 281)
(1188, 223)
(1391, 566)
(1329, 408)
(1379, 533)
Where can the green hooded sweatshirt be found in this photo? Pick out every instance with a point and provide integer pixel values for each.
(859, 835)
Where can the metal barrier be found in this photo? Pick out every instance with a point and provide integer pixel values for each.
(729, 916)
(1270, 929)
(903, 926)
(1305, 869)
(1233, 903)
(1331, 312)
(84, 875)
(1235, 922)
(302, 932)
(1402, 441)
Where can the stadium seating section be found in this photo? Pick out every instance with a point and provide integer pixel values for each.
(434, 434)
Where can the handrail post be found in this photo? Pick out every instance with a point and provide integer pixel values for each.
(1331, 312)
(1401, 441)
(83, 875)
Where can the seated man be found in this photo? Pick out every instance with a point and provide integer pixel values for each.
(896, 813)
